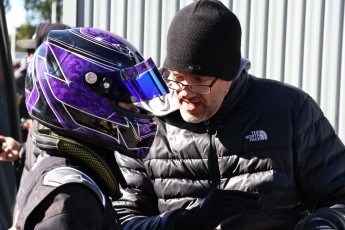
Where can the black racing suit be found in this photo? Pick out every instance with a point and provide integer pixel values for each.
(63, 192)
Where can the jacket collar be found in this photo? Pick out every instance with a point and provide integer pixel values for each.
(237, 91)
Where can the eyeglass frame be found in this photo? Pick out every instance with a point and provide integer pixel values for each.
(181, 85)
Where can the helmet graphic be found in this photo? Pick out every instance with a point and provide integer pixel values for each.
(76, 79)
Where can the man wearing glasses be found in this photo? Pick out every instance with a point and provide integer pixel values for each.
(232, 151)
(193, 103)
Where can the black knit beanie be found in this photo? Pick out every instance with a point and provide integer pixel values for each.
(204, 38)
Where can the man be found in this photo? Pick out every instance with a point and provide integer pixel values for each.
(232, 132)
(80, 86)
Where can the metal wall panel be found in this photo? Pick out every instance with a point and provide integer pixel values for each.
(276, 40)
(311, 75)
(331, 59)
(118, 17)
(300, 42)
(341, 126)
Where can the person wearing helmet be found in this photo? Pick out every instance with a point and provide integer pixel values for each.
(81, 84)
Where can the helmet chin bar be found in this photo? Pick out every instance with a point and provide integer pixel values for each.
(126, 135)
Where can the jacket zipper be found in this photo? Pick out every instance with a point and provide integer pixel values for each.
(213, 165)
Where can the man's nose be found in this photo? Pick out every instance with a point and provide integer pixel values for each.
(185, 92)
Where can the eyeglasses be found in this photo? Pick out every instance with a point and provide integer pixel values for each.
(194, 88)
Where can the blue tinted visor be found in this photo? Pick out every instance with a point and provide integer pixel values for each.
(137, 83)
(143, 81)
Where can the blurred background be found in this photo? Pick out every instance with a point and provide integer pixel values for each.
(23, 16)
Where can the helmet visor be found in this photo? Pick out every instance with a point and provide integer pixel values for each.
(142, 81)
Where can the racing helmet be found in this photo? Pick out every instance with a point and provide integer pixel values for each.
(76, 79)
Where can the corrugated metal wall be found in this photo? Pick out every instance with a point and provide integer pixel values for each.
(300, 42)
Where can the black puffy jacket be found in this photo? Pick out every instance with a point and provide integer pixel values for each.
(267, 137)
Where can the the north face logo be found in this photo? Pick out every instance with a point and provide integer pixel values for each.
(258, 135)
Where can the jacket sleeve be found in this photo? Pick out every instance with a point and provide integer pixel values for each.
(138, 207)
(320, 156)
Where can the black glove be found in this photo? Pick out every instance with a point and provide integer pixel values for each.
(214, 209)
(325, 219)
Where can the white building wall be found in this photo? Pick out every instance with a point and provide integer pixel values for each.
(300, 42)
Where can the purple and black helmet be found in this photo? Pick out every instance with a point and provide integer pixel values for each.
(76, 79)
